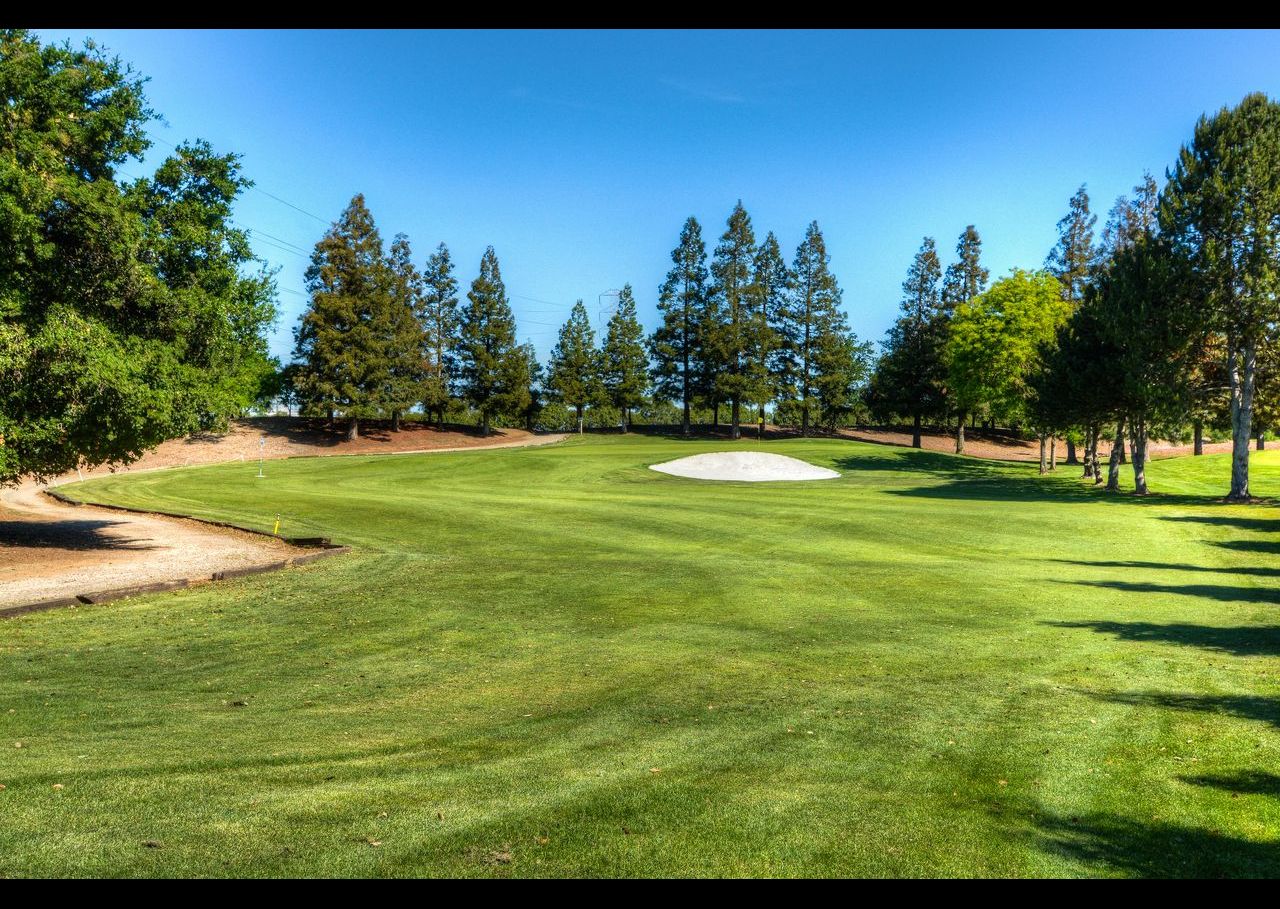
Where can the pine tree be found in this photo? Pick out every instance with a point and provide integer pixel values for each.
(404, 338)
(773, 285)
(487, 352)
(1073, 258)
(439, 317)
(530, 377)
(965, 279)
(625, 363)
(343, 340)
(1130, 220)
(676, 346)
(910, 373)
(810, 313)
(737, 331)
(574, 369)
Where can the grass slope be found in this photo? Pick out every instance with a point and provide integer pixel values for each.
(558, 662)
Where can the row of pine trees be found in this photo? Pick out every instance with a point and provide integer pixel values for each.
(381, 338)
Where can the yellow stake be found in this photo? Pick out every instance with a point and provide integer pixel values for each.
(275, 531)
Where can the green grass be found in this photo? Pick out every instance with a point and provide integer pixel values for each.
(931, 666)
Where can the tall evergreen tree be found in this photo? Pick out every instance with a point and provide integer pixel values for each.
(1130, 220)
(625, 371)
(773, 286)
(438, 314)
(676, 346)
(738, 332)
(343, 341)
(1221, 211)
(810, 313)
(488, 359)
(965, 279)
(909, 375)
(1071, 260)
(573, 373)
(405, 338)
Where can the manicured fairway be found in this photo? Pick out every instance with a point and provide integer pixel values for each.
(558, 662)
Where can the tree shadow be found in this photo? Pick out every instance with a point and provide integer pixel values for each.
(997, 481)
(1251, 570)
(1258, 525)
(1239, 640)
(1156, 848)
(1244, 782)
(80, 535)
(1262, 546)
(1244, 706)
(1224, 593)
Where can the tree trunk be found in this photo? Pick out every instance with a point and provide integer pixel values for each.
(1198, 447)
(353, 429)
(484, 423)
(1117, 458)
(1241, 374)
(804, 419)
(1088, 453)
(1262, 441)
(626, 420)
(1044, 455)
(1138, 449)
(579, 409)
(735, 414)
(915, 430)
(1053, 452)
(760, 424)
(395, 421)
(715, 416)
(1071, 451)
(1097, 462)
(960, 433)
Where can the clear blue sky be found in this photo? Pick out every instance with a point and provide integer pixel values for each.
(578, 155)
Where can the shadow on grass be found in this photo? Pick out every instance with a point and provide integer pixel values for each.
(1244, 782)
(1244, 706)
(1156, 848)
(1240, 641)
(1261, 571)
(1262, 546)
(982, 480)
(1257, 525)
(1225, 593)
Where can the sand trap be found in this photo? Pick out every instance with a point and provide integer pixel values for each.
(744, 466)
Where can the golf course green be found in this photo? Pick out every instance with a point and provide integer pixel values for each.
(554, 661)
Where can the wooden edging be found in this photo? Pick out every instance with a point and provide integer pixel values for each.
(322, 547)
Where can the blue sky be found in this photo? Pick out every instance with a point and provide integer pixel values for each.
(578, 155)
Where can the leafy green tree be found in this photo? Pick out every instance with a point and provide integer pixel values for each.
(439, 317)
(909, 377)
(126, 314)
(1221, 210)
(997, 340)
(490, 366)
(1072, 259)
(347, 340)
(573, 374)
(625, 362)
(676, 346)
(738, 334)
(1148, 317)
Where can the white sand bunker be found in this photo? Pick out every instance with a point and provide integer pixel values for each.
(744, 466)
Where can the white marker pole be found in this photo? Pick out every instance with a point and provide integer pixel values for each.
(262, 444)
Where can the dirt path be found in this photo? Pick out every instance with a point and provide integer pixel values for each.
(1003, 448)
(50, 550)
